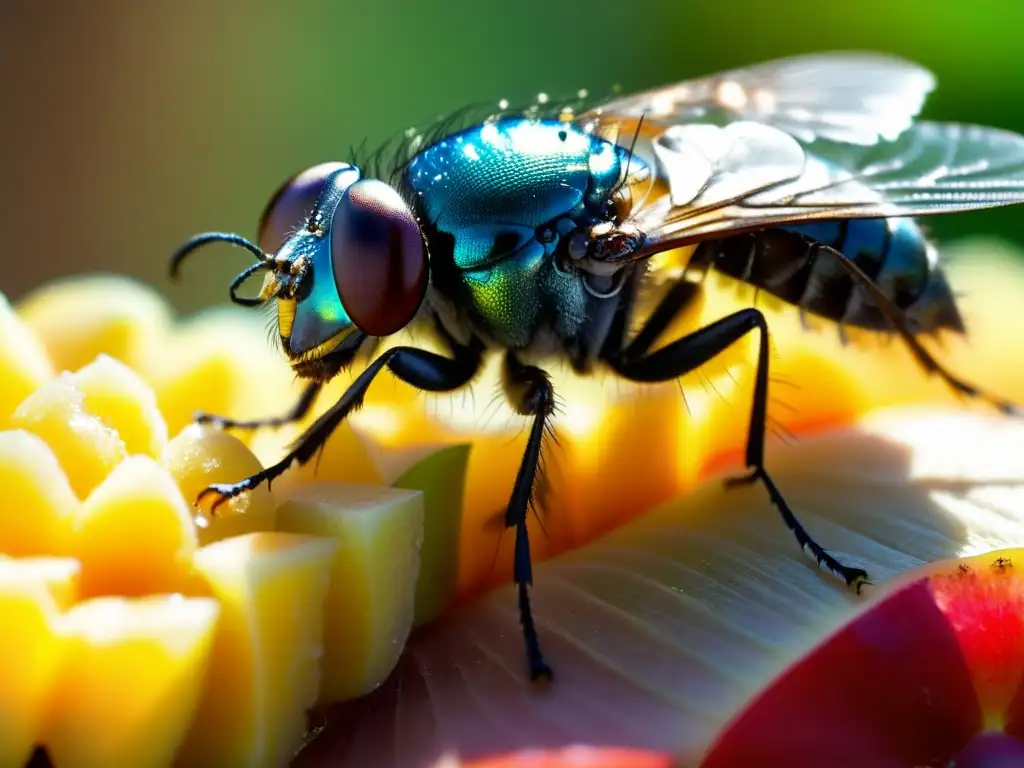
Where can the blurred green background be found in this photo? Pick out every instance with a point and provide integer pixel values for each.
(128, 126)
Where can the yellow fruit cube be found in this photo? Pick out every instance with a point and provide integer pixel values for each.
(130, 677)
(57, 574)
(265, 670)
(29, 653)
(221, 362)
(124, 402)
(38, 503)
(80, 318)
(200, 456)
(373, 578)
(134, 534)
(24, 366)
(86, 447)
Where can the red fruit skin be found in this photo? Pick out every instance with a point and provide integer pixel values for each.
(983, 600)
(573, 757)
(891, 688)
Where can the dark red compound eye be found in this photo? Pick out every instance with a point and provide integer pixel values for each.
(379, 259)
(292, 203)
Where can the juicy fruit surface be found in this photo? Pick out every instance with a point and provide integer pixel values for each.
(141, 627)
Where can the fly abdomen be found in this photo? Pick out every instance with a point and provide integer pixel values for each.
(791, 264)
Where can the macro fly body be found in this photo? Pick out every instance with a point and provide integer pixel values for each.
(530, 235)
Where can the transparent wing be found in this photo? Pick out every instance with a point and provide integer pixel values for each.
(744, 176)
(856, 98)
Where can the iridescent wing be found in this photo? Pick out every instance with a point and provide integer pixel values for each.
(748, 175)
(854, 98)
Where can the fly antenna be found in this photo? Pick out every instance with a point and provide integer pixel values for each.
(197, 242)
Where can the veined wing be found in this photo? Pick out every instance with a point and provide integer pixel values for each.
(745, 175)
(856, 98)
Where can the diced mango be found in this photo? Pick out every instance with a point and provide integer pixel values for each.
(134, 534)
(373, 578)
(265, 670)
(200, 456)
(24, 366)
(80, 318)
(29, 654)
(57, 574)
(442, 479)
(130, 678)
(86, 447)
(38, 504)
(343, 458)
(221, 362)
(123, 401)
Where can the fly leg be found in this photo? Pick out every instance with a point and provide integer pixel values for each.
(296, 413)
(924, 358)
(423, 370)
(530, 393)
(696, 349)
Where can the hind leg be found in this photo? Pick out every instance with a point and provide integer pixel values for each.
(924, 358)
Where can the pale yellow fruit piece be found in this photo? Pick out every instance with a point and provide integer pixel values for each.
(131, 675)
(265, 670)
(125, 402)
(87, 448)
(134, 534)
(24, 366)
(29, 653)
(38, 503)
(373, 579)
(57, 574)
(80, 318)
(200, 456)
(442, 479)
(221, 362)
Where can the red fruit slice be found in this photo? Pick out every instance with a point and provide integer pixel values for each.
(571, 757)
(931, 671)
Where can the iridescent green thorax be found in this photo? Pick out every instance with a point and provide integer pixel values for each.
(497, 202)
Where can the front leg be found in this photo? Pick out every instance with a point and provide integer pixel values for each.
(529, 391)
(694, 350)
(423, 370)
(296, 413)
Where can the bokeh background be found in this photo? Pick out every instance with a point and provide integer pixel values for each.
(126, 126)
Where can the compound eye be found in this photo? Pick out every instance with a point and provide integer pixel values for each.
(292, 203)
(379, 259)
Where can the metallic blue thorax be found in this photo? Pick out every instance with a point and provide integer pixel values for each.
(497, 200)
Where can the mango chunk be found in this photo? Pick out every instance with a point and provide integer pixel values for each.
(265, 669)
(80, 318)
(134, 534)
(29, 654)
(58, 574)
(199, 456)
(130, 677)
(38, 503)
(124, 402)
(373, 578)
(24, 366)
(442, 479)
(221, 362)
(86, 447)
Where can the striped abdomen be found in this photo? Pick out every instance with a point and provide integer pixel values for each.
(787, 263)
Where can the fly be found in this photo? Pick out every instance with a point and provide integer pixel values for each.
(530, 235)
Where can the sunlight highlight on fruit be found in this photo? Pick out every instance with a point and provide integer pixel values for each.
(214, 622)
